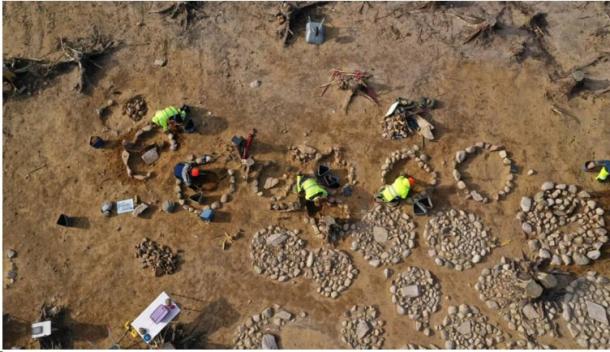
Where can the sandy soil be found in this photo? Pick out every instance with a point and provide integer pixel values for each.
(485, 95)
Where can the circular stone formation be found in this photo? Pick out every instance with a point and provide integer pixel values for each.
(547, 215)
(181, 188)
(362, 329)
(417, 293)
(278, 253)
(385, 236)
(458, 239)
(465, 327)
(501, 290)
(586, 310)
(406, 154)
(462, 155)
(332, 270)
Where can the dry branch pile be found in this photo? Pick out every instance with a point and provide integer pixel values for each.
(26, 75)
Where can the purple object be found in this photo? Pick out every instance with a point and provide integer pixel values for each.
(159, 314)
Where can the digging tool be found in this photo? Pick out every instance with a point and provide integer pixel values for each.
(246, 152)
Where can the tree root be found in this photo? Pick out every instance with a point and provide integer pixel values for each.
(21, 75)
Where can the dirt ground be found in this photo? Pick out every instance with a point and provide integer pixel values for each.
(485, 94)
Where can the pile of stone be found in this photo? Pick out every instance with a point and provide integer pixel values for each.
(285, 207)
(362, 329)
(278, 253)
(457, 239)
(304, 153)
(249, 335)
(395, 124)
(332, 270)
(546, 217)
(462, 155)
(160, 259)
(135, 108)
(385, 236)
(515, 292)
(465, 327)
(11, 274)
(406, 154)
(330, 229)
(286, 191)
(522, 344)
(416, 293)
(586, 310)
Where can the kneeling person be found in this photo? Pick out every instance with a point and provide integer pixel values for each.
(397, 191)
(171, 116)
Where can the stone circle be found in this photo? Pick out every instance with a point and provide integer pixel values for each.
(416, 293)
(249, 334)
(187, 204)
(547, 217)
(385, 236)
(278, 253)
(502, 289)
(465, 327)
(406, 154)
(586, 310)
(332, 270)
(363, 329)
(458, 239)
(462, 155)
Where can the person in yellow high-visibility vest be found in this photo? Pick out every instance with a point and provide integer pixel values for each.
(397, 191)
(604, 172)
(313, 191)
(171, 116)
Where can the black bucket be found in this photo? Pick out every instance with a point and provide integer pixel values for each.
(331, 181)
(419, 209)
(65, 220)
(322, 171)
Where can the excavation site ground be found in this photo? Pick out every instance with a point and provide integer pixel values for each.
(502, 104)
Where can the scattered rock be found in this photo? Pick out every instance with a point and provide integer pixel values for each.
(270, 182)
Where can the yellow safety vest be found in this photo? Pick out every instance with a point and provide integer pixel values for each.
(603, 174)
(400, 188)
(312, 189)
(162, 117)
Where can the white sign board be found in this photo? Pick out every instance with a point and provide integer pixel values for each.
(144, 321)
(124, 206)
